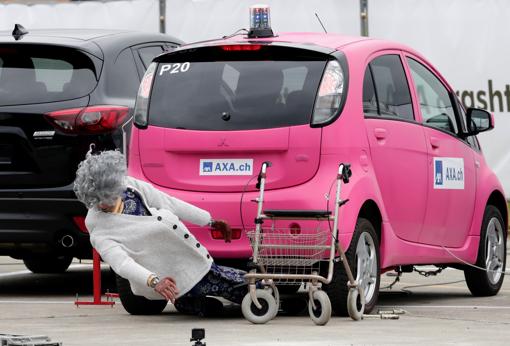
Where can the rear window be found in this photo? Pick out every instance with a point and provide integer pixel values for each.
(223, 89)
(38, 74)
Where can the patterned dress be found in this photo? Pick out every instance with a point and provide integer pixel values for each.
(220, 281)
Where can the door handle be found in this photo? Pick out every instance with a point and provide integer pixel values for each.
(434, 142)
(380, 133)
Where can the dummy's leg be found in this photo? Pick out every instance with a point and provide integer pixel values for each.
(220, 281)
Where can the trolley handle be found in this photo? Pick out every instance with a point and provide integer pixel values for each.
(344, 172)
(262, 173)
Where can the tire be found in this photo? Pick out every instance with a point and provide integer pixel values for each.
(363, 250)
(49, 264)
(354, 306)
(256, 315)
(322, 314)
(491, 255)
(137, 305)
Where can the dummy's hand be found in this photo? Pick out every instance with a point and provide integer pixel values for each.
(167, 288)
(225, 229)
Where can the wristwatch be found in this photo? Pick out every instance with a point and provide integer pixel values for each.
(211, 223)
(152, 281)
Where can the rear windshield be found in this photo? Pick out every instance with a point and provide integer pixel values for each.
(38, 74)
(221, 89)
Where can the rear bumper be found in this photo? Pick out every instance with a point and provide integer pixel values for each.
(36, 221)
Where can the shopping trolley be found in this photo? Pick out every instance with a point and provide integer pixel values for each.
(293, 256)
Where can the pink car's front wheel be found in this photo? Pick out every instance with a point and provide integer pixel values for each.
(491, 256)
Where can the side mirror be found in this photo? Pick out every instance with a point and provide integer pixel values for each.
(479, 120)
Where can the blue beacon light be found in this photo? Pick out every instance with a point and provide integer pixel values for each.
(260, 22)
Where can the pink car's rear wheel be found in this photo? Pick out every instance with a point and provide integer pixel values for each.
(364, 260)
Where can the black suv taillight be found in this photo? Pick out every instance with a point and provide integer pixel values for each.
(88, 120)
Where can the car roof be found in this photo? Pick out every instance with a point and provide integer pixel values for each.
(90, 40)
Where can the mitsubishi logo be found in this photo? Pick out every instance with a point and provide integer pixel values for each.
(223, 142)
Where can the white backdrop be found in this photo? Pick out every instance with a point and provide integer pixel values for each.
(194, 20)
(135, 15)
(467, 40)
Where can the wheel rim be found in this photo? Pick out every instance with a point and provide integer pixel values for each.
(494, 250)
(366, 256)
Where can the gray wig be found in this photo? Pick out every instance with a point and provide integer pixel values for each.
(101, 178)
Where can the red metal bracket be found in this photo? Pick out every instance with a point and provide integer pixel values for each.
(96, 279)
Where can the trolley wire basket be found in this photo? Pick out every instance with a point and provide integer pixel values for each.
(278, 251)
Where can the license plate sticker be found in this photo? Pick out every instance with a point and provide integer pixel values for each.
(226, 166)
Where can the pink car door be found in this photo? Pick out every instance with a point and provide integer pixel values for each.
(397, 144)
(452, 173)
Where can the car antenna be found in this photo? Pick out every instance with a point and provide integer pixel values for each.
(320, 22)
(19, 31)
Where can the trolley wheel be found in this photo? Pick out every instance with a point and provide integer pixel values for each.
(275, 292)
(256, 315)
(321, 315)
(354, 306)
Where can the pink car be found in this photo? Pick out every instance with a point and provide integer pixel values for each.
(209, 114)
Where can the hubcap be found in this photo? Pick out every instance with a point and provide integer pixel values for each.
(366, 256)
(494, 250)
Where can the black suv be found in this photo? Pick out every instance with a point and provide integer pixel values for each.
(60, 91)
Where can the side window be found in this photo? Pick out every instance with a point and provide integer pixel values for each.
(123, 78)
(385, 89)
(370, 105)
(435, 102)
(149, 53)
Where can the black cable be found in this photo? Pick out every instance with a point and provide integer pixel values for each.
(241, 201)
(238, 32)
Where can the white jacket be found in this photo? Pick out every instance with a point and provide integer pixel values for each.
(137, 246)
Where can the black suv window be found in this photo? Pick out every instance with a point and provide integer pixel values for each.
(435, 102)
(36, 74)
(385, 89)
(123, 78)
(149, 53)
(236, 90)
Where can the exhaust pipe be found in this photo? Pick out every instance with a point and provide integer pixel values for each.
(67, 241)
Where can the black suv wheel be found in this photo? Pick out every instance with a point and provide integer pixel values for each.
(47, 264)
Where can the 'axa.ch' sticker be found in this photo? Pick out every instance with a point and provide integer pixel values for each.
(226, 167)
(448, 173)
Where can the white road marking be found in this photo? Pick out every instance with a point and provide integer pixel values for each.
(17, 273)
(446, 306)
(73, 266)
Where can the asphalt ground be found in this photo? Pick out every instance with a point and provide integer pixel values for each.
(438, 310)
